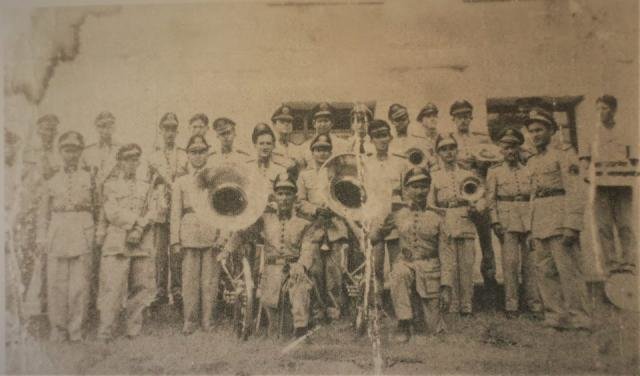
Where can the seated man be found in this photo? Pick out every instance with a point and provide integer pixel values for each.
(289, 250)
(423, 264)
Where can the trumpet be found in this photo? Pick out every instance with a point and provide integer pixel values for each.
(471, 189)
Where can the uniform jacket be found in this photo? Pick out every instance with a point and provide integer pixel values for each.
(187, 227)
(234, 156)
(164, 166)
(66, 223)
(124, 200)
(555, 169)
(292, 237)
(445, 193)
(269, 170)
(100, 159)
(421, 235)
(382, 182)
(508, 194)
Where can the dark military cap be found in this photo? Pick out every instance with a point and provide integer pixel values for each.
(397, 112)
(200, 116)
(48, 119)
(416, 174)
(323, 109)
(128, 151)
(259, 130)
(321, 140)
(169, 119)
(445, 140)
(541, 115)
(460, 107)
(222, 124)
(283, 180)
(105, 117)
(378, 126)
(511, 135)
(282, 113)
(71, 139)
(197, 142)
(427, 110)
(609, 100)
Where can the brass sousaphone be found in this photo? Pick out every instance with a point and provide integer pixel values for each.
(342, 186)
(235, 197)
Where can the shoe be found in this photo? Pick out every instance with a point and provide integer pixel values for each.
(188, 329)
(300, 332)
(467, 315)
(511, 315)
(536, 316)
(404, 332)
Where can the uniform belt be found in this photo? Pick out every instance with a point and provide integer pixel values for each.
(280, 260)
(523, 197)
(456, 203)
(186, 211)
(550, 192)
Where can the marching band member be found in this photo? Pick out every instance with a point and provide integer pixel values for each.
(556, 221)
(423, 141)
(100, 157)
(312, 199)
(291, 244)
(166, 162)
(196, 241)
(423, 265)
(508, 196)
(445, 193)
(226, 132)
(66, 233)
(264, 140)
(127, 265)
(360, 142)
(323, 123)
(462, 113)
(282, 121)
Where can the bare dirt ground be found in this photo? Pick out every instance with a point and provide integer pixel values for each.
(486, 343)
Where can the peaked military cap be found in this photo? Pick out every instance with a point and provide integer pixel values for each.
(511, 135)
(169, 120)
(460, 107)
(105, 117)
(222, 124)
(323, 109)
(128, 151)
(397, 112)
(445, 140)
(321, 140)
(283, 180)
(72, 139)
(197, 142)
(538, 114)
(416, 174)
(378, 126)
(48, 119)
(283, 112)
(259, 130)
(428, 109)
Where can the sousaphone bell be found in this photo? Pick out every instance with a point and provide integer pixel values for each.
(343, 188)
(234, 197)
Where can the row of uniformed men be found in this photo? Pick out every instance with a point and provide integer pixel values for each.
(128, 250)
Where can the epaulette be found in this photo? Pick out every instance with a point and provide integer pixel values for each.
(211, 153)
(86, 168)
(243, 152)
(181, 149)
(279, 163)
(369, 154)
(566, 147)
(270, 209)
(182, 172)
(479, 134)
(251, 161)
(462, 166)
(91, 145)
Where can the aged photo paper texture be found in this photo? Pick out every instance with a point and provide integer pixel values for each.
(321, 187)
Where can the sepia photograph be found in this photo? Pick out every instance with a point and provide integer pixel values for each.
(330, 187)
